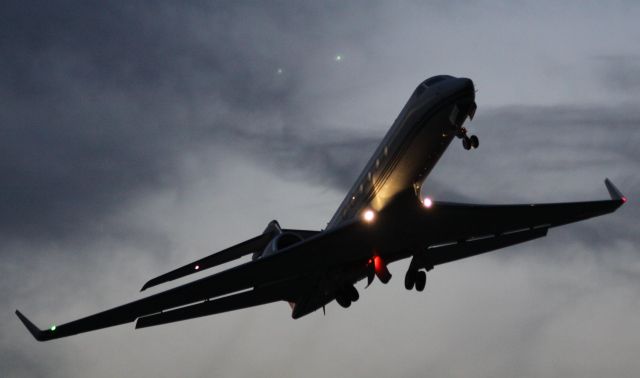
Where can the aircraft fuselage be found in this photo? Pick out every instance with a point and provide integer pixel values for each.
(413, 145)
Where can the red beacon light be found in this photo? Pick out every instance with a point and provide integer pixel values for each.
(377, 264)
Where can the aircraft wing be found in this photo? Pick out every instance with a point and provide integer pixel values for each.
(249, 298)
(465, 230)
(260, 281)
(461, 230)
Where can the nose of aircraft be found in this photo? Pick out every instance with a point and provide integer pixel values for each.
(445, 85)
(467, 83)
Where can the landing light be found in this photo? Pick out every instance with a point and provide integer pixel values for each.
(427, 202)
(368, 216)
(196, 267)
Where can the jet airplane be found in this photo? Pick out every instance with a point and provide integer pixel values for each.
(382, 219)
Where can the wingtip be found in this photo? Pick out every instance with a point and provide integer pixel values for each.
(148, 284)
(32, 328)
(614, 192)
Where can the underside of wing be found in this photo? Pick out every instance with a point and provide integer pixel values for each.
(265, 280)
(245, 299)
(454, 230)
(440, 254)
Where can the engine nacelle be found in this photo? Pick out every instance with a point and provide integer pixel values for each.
(280, 242)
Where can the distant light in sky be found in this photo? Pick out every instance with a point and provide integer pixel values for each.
(338, 58)
(279, 71)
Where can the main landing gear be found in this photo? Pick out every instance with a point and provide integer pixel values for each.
(468, 142)
(347, 295)
(415, 278)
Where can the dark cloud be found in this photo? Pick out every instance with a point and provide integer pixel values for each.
(100, 99)
(103, 99)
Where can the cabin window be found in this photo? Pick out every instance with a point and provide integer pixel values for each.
(369, 176)
(386, 150)
(377, 163)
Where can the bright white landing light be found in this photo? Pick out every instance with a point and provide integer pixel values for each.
(427, 202)
(368, 216)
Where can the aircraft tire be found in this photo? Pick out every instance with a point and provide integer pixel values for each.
(421, 280)
(475, 142)
(466, 143)
(410, 280)
(343, 301)
(353, 293)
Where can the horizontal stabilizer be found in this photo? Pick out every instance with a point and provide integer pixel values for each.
(232, 253)
(235, 252)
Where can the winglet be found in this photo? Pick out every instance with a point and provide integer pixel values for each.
(615, 194)
(35, 331)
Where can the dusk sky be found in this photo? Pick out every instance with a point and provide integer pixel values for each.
(138, 137)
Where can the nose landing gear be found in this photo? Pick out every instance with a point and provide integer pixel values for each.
(468, 142)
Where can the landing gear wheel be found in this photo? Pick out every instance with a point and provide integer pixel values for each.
(343, 301)
(474, 141)
(421, 280)
(466, 143)
(410, 280)
(352, 293)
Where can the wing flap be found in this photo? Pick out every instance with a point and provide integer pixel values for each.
(250, 298)
(448, 253)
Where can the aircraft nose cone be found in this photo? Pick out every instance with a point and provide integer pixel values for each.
(467, 83)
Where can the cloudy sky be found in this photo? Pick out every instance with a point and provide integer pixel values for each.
(137, 137)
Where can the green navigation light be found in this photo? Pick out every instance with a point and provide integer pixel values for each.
(53, 328)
